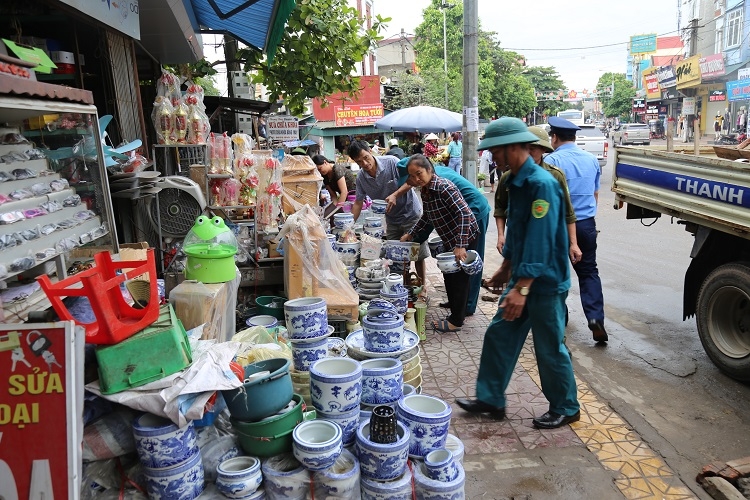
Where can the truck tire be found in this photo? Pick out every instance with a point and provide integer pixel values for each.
(723, 319)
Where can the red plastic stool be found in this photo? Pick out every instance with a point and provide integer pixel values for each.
(116, 320)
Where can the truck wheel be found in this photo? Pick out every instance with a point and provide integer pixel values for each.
(723, 319)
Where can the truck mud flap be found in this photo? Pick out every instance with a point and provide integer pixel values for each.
(636, 212)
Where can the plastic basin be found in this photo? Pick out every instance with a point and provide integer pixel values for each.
(271, 436)
(264, 396)
(266, 304)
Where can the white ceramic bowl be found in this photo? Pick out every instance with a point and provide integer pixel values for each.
(382, 379)
(306, 317)
(336, 384)
(265, 320)
(317, 444)
(238, 477)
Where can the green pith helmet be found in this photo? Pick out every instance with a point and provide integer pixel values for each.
(543, 138)
(504, 131)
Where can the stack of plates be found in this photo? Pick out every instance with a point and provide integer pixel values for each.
(369, 288)
(133, 184)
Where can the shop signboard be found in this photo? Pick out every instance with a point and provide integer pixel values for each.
(666, 76)
(355, 115)
(717, 95)
(688, 106)
(688, 72)
(712, 66)
(743, 73)
(122, 15)
(41, 403)
(282, 128)
(643, 44)
(639, 106)
(667, 94)
(738, 90)
(651, 84)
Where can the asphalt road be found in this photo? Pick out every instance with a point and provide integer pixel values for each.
(654, 371)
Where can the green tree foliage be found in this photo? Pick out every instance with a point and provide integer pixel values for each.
(405, 90)
(209, 85)
(546, 79)
(323, 42)
(502, 88)
(620, 102)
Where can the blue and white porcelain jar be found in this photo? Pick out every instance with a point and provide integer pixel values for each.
(342, 220)
(161, 444)
(317, 444)
(341, 481)
(306, 317)
(382, 462)
(473, 263)
(348, 421)
(382, 334)
(336, 384)
(430, 489)
(182, 482)
(382, 381)
(378, 207)
(400, 300)
(441, 466)
(428, 418)
(305, 352)
(397, 489)
(239, 477)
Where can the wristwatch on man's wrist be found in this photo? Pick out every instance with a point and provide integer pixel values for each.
(523, 290)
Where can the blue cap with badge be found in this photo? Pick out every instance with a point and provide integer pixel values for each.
(562, 124)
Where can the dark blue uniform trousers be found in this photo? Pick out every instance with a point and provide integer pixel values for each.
(589, 283)
(475, 282)
(503, 341)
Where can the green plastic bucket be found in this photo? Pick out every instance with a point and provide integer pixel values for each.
(271, 436)
(210, 263)
(271, 305)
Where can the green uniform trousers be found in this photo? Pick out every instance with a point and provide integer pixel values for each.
(503, 341)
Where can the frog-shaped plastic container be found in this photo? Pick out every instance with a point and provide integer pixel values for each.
(210, 247)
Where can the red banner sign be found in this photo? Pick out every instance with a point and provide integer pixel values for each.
(40, 411)
(355, 115)
(712, 66)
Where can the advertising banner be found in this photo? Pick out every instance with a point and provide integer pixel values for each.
(355, 115)
(41, 403)
(282, 128)
(688, 106)
(743, 73)
(666, 76)
(717, 95)
(688, 72)
(651, 84)
(712, 66)
(643, 44)
(738, 90)
(639, 106)
(123, 15)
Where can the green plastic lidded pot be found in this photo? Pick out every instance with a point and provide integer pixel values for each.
(210, 247)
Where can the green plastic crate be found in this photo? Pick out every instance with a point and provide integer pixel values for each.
(151, 354)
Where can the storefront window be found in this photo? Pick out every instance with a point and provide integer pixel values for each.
(734, 28)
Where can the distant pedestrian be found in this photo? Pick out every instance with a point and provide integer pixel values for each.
(395, 150)
(455, 152)
(583, 174)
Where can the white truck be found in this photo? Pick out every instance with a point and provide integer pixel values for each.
(712, 196)
(591, 139)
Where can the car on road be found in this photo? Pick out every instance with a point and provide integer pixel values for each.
(631, 133)
(591, 139)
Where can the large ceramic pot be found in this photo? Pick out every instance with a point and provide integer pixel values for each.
(447, 264)
(161, 444)
(239, 477)
(473, 263)
(317, 444)
(398, 489)
(429, 489)
(284, 477)
(348, 421)
(343, 219)
(262, 396)
(306, 317)
(348, 249)
(383, 335)
(382, 462)
(183, 482)
(378, 207)
(428, 418)
(336, 385)
(341, 481)
(305, 352)
(381, 381)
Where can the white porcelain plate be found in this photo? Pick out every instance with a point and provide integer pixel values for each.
(356, 342)
(336, 347)
(379, 281)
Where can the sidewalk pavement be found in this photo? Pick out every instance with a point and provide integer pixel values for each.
(599, 457)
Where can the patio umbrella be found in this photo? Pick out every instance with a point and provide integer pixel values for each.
(421, 119)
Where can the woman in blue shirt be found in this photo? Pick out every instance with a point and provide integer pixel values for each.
(455, 152)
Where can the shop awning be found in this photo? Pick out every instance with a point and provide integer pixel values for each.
(256, 23)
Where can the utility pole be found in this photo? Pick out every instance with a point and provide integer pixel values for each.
(403, 48)
(444, 6)
(471, 90)
(230, 56)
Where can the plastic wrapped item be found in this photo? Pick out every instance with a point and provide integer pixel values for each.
(212, 304)
(14, 156)
(11, 217)
(5, 177)
(109, 436)
(23, 173)
(84, 215)
(180, 120)
(198, 124)
(30, 234)
(216, 451)
(35, 154)
(72, 201)
(220, 154)
(34, 212)
(398, 489)
(169, 86)
(22, 264)
(259, 345)
(285, 478)
(67, 223)
(136, 163)
(226, 192)
(13, 138)
(269, 189)
(3, 273)
(51, 206)
(41, 188)
(21, 194)
(45, 253)
(58, 185)
(163, 120)
(340, 481)
(66, 245)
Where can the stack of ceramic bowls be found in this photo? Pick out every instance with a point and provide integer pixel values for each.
(370, 281)
(374, 226)
(336, 393)
(397, 294)
(446, 262)
(170, 457)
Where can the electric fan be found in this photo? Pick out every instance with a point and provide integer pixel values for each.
(179, 201)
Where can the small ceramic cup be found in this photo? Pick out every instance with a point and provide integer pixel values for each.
(441, 465)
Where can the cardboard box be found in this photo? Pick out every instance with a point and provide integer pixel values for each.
(89, 252)
(303, 189)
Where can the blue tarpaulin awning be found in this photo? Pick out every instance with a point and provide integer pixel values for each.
(256, 23)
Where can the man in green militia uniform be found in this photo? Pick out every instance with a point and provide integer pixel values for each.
(537, 272)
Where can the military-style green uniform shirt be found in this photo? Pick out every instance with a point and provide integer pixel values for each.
(501, 195)
(537, 239)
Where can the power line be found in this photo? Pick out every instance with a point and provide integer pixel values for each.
(586, 48)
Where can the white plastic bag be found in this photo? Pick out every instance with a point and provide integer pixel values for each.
(284, 478)
(340, 481)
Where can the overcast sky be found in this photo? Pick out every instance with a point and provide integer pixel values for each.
(554, 24)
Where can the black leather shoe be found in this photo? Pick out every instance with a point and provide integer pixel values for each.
(552, 420)
(597, 328)
(476, 406)
(446, 305)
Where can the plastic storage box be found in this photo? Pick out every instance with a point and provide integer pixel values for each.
(151, 354)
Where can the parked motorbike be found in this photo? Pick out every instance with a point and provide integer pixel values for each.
(727, 140)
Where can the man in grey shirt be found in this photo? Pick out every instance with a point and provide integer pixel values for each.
(378, 178)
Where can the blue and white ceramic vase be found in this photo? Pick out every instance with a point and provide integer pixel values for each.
(305, 352)
(382, 462)
(161, 444)
(336, 385)
(239, 477)
(306, 317)
(382, 381)
(428, 418)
